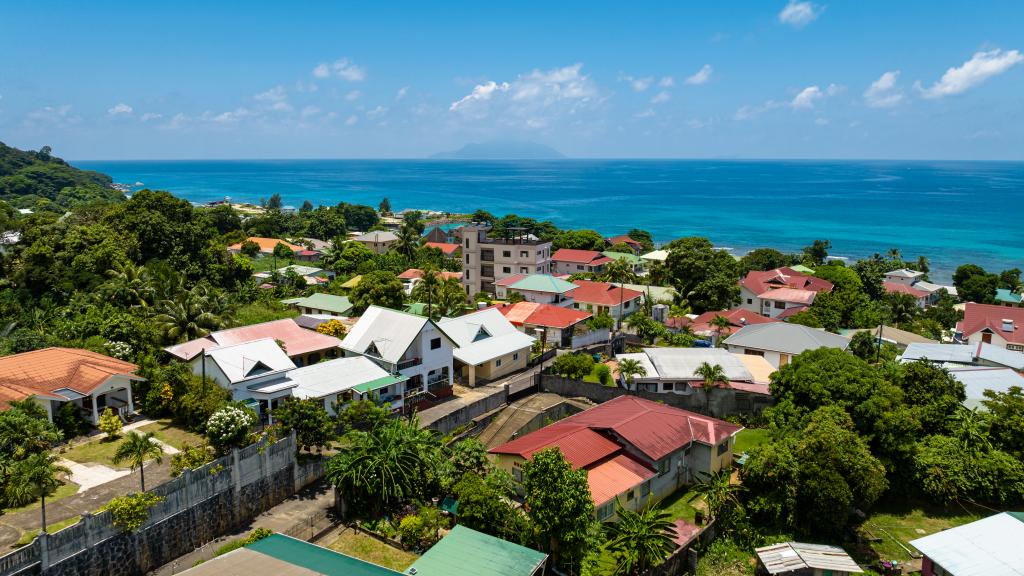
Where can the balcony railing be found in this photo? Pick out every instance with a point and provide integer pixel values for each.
(409, 363)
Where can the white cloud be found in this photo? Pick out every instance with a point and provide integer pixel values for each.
(309, 111)
(883, 92)
(637, 84)
(353, 95)
(149, 116)
(402, 92)
(800, 14)
(645, 113)
(835, 89)
(752, 111)
(119, 109)
(697, 123)
(701, 76)
(807, 97)
(376, 112)
(343, 68)
(275, 94)
(821, 121)
(666, 82)
(176, 122)
(55, 115)
(981, 67)
(229, 117)
(480, 92)
(661, 97)
(351, 120)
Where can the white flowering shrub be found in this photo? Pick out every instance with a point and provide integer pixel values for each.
(229, 427)
(119, 349)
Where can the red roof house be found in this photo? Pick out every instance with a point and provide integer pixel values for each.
(543, 315)
(624, 239)
(999, 325)
(445, 248)
(759, 282)
(302, 345)
(568, 261)
(602, 294)
(701, 325)
(266, 245)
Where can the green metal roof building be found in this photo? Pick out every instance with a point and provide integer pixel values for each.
(1004, 296)
(277, 554)
(543, 283)
(632, 259)
(466, 552)
(321, 302)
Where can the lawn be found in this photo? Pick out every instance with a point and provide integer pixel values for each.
(592, 377)
(28, 536)
(750, 438)
(169, 433)
(259, 312)
(63, 491)
(370, 549)
(900, 523)
(95, 452)
(681, 504)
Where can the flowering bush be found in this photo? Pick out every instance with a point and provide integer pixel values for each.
(121, 350)
(228, 427)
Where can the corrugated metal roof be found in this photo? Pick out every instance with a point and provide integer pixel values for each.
(614, 476)
(682, 363)
(977, 379)
(250, 359)
(335, 376)
(543, 283)
(580, 445)
(484, 335)
(322, 301)
(466, 552)
(986, 547)
(390, 331)
(786, 338)
(790, 556)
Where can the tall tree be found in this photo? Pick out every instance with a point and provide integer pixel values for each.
(629, 368)
(136, 449)
(559, 504)
(711, 374)
(706, 278)
(380, 288)
(640, 540)
(33, 478)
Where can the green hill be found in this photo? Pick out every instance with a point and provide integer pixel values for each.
(38, 180)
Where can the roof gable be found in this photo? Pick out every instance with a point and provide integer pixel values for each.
(786, 338)
(49, 369)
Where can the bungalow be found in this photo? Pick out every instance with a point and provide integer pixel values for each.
(636, 263)
(303, 346)
(567, 261)
(438, 235)
(702, 325)
(800, 559)
(342, 380)
(779, 342)
(1005, 297)
(321, 303)
(912, 282)
(655, 256)
(903, 276)
(774, 292)
(448, 249)
(266, 245)
(466, 552)
(408, 345)
(52, 377)
(412, 276)
(558, 326)
(488, 346)
(312, 275)
(979, 379)
(378, 241)
(604, 298)
(892, 335)
(634, 451)
(637, 247)
(955, 355)
(998, 325)
(988, 546)
(921, 297)
(655, 294)
(540, 288)
(253, 371)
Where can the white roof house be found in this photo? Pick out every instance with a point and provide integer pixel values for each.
(790, 557)
(981, 354)
(682, 363)
(982, 548)
(377, 236)
(327, 380)
(978, 379)
(483, 336)
(786, 338)
(249, 360)
(389, 333)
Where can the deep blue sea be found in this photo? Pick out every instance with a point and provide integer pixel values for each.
(951, 212)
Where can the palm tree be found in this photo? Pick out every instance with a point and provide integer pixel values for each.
(902, 309)
(712, 374)
(408, 241)
(136, 449)
(427, 288)
(190, 315)
(129, 284)
(717, 490)
(640, 540)
(32, 478)
(451, 297)
(621, 272)
(720, 324)
(630, 367)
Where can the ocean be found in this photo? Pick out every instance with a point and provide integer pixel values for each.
(951, 212)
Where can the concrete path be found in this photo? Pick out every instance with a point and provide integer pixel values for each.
(89, 476)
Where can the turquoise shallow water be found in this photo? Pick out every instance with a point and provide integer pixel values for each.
(952, 212)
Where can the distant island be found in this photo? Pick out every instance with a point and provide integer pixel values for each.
(501, 150)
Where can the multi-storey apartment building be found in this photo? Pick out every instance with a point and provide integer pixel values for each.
(486, 260)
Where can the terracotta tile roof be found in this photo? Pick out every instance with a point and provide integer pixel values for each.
(738, 318)
(577, 256)
(297, 340)
(267, 244)
(978, 317)
(446, 248)
(601, 293)
(623, 239)
(44, 371)
(758, 282)
(654, 429)
(614, 476)
(897, 288)
(546, 315)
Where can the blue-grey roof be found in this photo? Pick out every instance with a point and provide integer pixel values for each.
(983, 548)
(786, 338)
(977, 379)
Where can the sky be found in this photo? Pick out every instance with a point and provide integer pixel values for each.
(752, 79)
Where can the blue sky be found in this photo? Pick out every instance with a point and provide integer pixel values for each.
(764, 79)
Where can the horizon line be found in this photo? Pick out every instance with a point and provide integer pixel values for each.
(563, 159)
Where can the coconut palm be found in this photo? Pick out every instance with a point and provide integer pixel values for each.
(720, 324)
(451, 297)
(630, 367)
(129, 284)
(711, 374)
(717, 490)
(190, 315)
(408, 241)
(427, 288)
(620, 271)
(640, 540)
(32, 478)
(902, 309)
(136, 449)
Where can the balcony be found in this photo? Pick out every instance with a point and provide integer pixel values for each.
(404, 364)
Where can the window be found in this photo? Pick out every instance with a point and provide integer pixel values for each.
(517, 472)
(723, 447)
(523, 270)
(467, 258)
(629, 496)
(467, 274)
(750, 352)
(1017, 347)
(750, 300)
(780, 305)
(515, 356)
(664, 466)
(667, 386)
(626, 305)
(645, 489)
(524, 254)
(497, 363)
(605, 511)
(506, 269)
(540, 269)
(506, 253)
(435, 343)
(579, 266)
(467, 242)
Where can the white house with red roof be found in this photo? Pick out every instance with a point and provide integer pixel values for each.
(774, 292)
(556, 325)
(605, 298)
(701, 325)
(991, 324)
(56, 376)
(637, 247)
(634, 450)
(922, 297)
(567, 261)
(303, 346)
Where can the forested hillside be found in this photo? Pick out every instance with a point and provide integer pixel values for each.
(40, 181)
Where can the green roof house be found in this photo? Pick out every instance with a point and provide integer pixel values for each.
(539, 288)
(277, 554)
(1008, 298)
(466, 552)
(321, 303)
(802, 269)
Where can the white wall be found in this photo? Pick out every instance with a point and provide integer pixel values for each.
(776, 359)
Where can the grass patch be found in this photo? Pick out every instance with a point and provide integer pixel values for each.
(906, 522)
(594, 379)
(63, 491)
(725, 558)
(750, 438)
(169, 433)
(682, 505)
(95, 452)
(259, 312)
(28, 536)
(370, 549)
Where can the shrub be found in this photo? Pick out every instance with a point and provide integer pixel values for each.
(574, 366)
(110, 423)
(190, 457)
(604, 374)
(70, 421)
(229, 427)
(332, 328)
(130, 512)
(250, 248)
